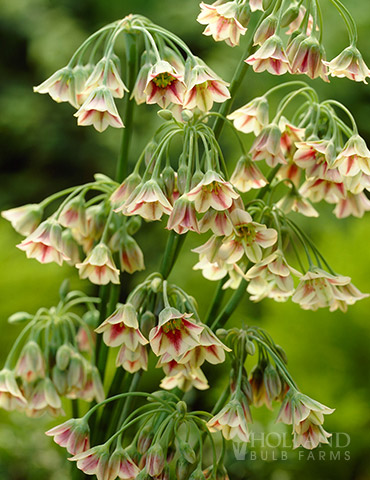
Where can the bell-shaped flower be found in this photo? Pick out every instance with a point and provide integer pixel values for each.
(306, 56)
(357, 183)
(24, 219)
(349, 63)
(148, 201)
(74, 435)
(345, 295)
(45, 243)
(123, 192)
(92, 389)
(218, 222)
(309, 434)
(185, 379)
(232, 420)
(130, 254)
(99, 110)
(203, 88)
(11, 397)
(271, 57)
(290, 135)
(31, 363)
(106, 73)
(317, 159)
(42, 397)
(317, 190)
(95, 462)
(174, 334)
(60, 86)
(354, 158)
(212, 191)
(266, 29)
(81, 73)
(164, 85)
(210, 249)
(155, 460)
(211, 270)
(222, 22)
(247, 176)
(294, 201)
(138, 92)
(122, 327)
(252, 117)
(132, 360)
(256, 5)
(267, 146)
(99, 266)
(122, 464)
(73, 215)
(355, 205)
(296, 22)
(183, 216)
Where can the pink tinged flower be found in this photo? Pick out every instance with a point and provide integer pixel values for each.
(210, 349)
(73, 435)
(138, 92)
(155, 460)
(11, 397)
(94, 462)
(357, 183)
(247, 176)
(183, 216)
(122, 465)
(92, 388)
(130, 254)
(271, 57)
(99, 110)
(355, 205)
(267, 146)
(266, 30)
(252, 117)
(317, 190)
(204, 88)
(345, 295)
(210, 249)
(99, 266)
(31, 364)
(175, 334)
(289, 137)
(222, 23)
(354, 158)
(122, 327)
(123, 192)
(309, 435)
(256, 5)
(43, 398)
(45, 243)
(350, 64)
(186, 379)
(148, 201)
(70, 247)
(317, 159)
(81, 73)
(218, 222)
(307, 57)
(211, 271)
(296, 203)
(212, 191)
(106, 74)
(296, 23)
(24, 219)
(132, 360)
(164, 85)
(232, 421)
(73, 215)
(60, 86)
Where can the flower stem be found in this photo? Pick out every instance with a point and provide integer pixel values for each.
(230, 307)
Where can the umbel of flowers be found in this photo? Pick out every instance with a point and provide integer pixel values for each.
(304, 152)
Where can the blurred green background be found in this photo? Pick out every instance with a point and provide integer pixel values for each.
(42, 151)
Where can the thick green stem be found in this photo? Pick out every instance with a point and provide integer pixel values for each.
(230, 307)
(216, 302)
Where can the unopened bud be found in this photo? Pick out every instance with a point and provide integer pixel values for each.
(282, 353)
(165, 114)
(289, 16)
(133, 224)
(63, 357)
(272, 382)
(183, 468)
(155, 460)
(169, 182)
(20, 317)
(147, 322)
(250, 347)
(187, 115)
(182, 173)
(145, 438)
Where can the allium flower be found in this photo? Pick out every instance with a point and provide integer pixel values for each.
(203, 88)
(99, 266)
(212, 191)
(309, 434)
(290, 135)
(271, 57)
(24, 219)
(11, 397)
(249, 239)
(317, 158)
(232, 420)
(122, 464)
(164, 85)
(256, 5)
(186, 379)
(357, 183)
(132, 360)
(306, 56)
(183, 216)
(148, 201)
(317, 190)
(60, 86)
(45, 243)
(222, 23)
(296, 23)
(123, 192)
(211, 271)
(293, 201)
(175, 333)
(252, 117)
(266, 30)
(31, 364)
(99, 110)
(355, 205)
(94, 462)
(106, 73)
(42, 397)
(350, 64)
(138, 92)
(81, 73)
(73, 215)
(122, 327)
(210, 349)
(155, 460)
(267, 146)
(247, 176)
(210, 249)
(218, 222)
(73, 435)
(354, 158)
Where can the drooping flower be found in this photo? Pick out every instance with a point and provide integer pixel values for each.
(183, 216)
(187, 378)
(271, 57)
(122, 327)
(211, 270)
(247, 176)
(73, 215)
(267, 146)
(349, 63)
(306, 56)
(122, 464)
(74, 435)
(106, 73)
(290, 135)
(42, 397)
(148, 201)
(203, 88)
(99, 266)
(294, 201)
(218, 222)
(132, 360)
(212, 191)
(60, 86)
(354, 158)
(45, 243)
(123, 192)
(155, 460)
(317, 159)
(164, 85)
(320, 189)
(11, 397)
(355, 205)
(24, 219)
(99, 110)
(266, 29)
(232, 420)
(94, 462)
(222, 22)
(252, 117)
(175, 334)
(31, 364)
